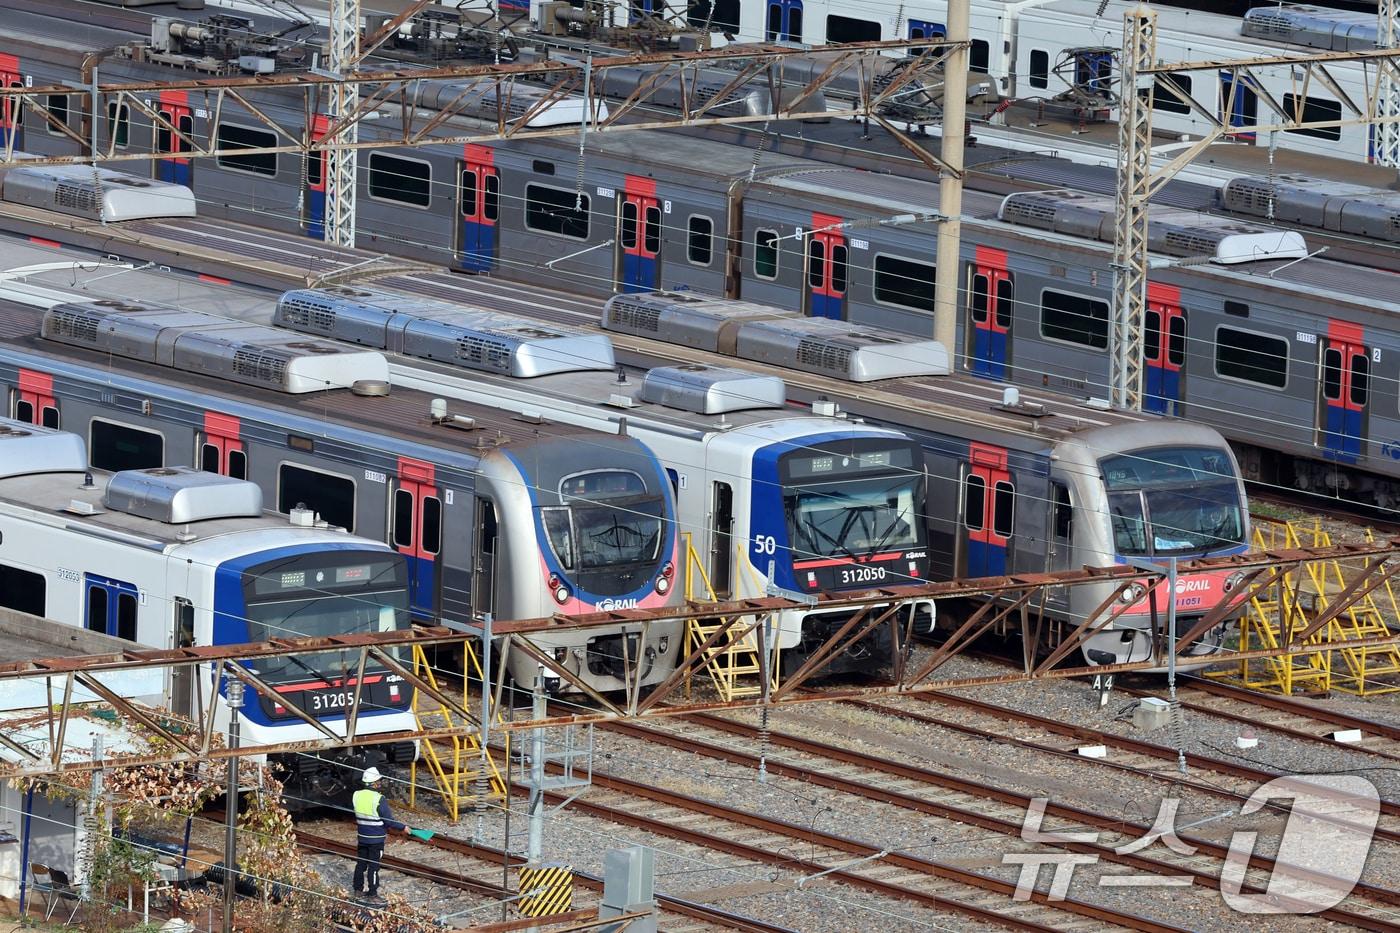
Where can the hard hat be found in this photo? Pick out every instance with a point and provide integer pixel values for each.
(371, 775)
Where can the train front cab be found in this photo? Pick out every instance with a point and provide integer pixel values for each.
(830, 513)
(1180, 500)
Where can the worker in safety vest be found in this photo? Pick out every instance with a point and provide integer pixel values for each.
(373, 821)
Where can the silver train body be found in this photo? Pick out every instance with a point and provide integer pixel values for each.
(171, 558)
(492, 511)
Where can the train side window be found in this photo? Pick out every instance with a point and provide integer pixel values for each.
(24, 411)
(651, 229)
(628, 233)
(1332, 373)
(1151, 335)
(979, 296)
(467, 185)
(115, 447)
(403, 518)
(237, 464)
(1162, 97)
(850, 29)
(329, 494)
(1074, 319)
(816, 259)
(184, 623)
(675, 479)
(431, 532)
(1040, 68)
(1176, 340)
(22, 590)
(974, 502)
(721, 546)
(1006, 300)
(1313, 110)
(491, 196)
(403, 181)
(700, 233)
(48, 417)
(126, 616)
(233, 136)
(209, 458)
(1003, 508)
(554, 210)
(1064, 513)
(979, 56)
(1360, 376)
(58, 109)
(839, 272)
(1251, 357)
(1236, 308)
(97, 608)
(765, 254)
(315, 168)
(904, 282)
(119, 124)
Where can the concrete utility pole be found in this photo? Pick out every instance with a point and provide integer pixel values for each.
(1387, 135)
(342, 160)
(1134, 177)
(950, 182)
(235, 703)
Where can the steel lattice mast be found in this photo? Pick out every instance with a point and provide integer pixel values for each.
(342, 160)
(1387, 134)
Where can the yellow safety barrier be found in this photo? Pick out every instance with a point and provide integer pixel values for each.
(1290, 606)
(465, 777)
(546, 890)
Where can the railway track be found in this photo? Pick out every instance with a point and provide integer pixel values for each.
(976, 804)
(1228, 780)
(900, 876)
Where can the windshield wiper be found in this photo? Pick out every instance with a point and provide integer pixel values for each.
(894, 524)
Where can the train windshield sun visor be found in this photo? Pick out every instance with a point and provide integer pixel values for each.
(1173, 501)
(853, 517)
(313, 615)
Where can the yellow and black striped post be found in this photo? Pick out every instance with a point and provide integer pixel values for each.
(546, 890)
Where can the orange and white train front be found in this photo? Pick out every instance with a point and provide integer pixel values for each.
(1152, 491)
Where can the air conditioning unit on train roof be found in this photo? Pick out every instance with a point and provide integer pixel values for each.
(711, 390)
(27, 448)
(686, 318)
(181, 494)
(841, 349)
(1316, 27)
(1317, 202)
(473, 338)
(205, 344)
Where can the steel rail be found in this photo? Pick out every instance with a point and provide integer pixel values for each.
(926, 867)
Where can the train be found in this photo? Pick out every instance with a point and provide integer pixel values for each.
(172, 557)
(493, 512)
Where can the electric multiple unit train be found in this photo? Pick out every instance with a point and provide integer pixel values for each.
(173, 557)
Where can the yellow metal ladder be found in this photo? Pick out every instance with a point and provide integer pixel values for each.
(731, 659)
(465, 777)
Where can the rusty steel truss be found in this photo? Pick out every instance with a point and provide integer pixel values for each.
(538, 86)
(1014, 604)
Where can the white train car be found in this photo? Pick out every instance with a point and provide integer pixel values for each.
(174, 557)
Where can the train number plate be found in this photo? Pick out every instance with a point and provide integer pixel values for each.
(332, 700)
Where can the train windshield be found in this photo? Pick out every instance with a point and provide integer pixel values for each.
(1173, 501)
(608, 532)
(852, 504)
(351, 595)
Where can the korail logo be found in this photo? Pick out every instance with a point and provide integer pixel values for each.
(606, 605)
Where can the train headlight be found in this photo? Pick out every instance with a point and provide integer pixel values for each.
(1131, 593)
(1234, 580)
(561, 594)
(662, 584)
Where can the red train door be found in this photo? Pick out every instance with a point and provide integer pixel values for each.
(314, 201)
(416, 532)
(639, 236)
(1163, 349)
(989, 503)
(1344, 389)
(826, 268)
(991, 303)
(479, 207)
(35, 402)
(174, 108)
(11, 121)
(221, 448)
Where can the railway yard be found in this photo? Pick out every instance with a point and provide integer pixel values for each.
(597, 465)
